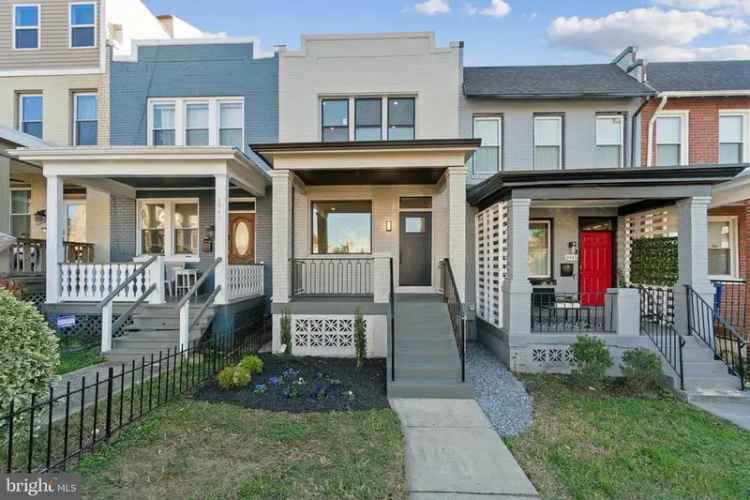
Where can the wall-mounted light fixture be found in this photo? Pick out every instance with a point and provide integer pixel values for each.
(388, 225)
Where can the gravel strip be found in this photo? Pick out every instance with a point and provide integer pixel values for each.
(501, 395)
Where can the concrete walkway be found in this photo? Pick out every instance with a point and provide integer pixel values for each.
(452, 452)
(736, 410)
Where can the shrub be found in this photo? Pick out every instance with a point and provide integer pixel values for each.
(360, 337)
(286, 331)
(253, 364)
(642, 369)
(234, 377)
(29, 351)
(592, 360)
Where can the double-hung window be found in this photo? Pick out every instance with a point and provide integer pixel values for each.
(168, 227)
(722, 247)
(401, 119)
(197, 121)
(335, 120)
(231, 119)
(487, 159)
(609, 138)
(368, 119)
(163, 129)
(196, 127)
(341, 227)
(82, 25)
(86, 122)
(548, 152)
(31, 114)
(540, 249)
(20, 212)
(731, 138)
(670, 134)
(26, 22)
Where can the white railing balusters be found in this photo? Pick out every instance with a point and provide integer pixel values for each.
(245, 281)
(93, 282)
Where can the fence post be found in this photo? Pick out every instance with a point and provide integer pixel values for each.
(107, 327)
(110, 376)
(184, 326)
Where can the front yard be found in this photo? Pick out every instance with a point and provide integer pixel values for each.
(586, 445)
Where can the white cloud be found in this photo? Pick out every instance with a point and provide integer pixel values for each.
(497, 8)
(725, 7)
(431, 7)
(723, 52)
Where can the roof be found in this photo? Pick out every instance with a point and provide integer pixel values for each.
(21, 138)
(699, 76)
(592, 81)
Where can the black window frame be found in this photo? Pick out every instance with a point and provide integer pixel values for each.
(323, 126)
(413, 117)
(312, 227)
(379, 100)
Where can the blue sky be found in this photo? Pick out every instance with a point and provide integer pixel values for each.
(497, 32)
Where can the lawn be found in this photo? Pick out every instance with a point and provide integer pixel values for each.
(74, 357)
(609, 444)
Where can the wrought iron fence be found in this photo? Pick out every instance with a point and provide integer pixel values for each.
(657, 322)
(332, 277)
(730, 302)
(456, 312)
(559, 312)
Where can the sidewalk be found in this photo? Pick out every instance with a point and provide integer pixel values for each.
(452, 451)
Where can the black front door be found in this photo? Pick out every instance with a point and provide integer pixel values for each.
(415, 252)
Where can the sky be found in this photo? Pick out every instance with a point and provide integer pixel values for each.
(496, 32)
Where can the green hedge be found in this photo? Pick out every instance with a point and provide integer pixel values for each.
(654, 262)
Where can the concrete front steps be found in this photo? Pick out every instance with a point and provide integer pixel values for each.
(155, 328)
(428, 364)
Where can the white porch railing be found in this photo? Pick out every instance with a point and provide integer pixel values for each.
(244, 281)
(93, 282)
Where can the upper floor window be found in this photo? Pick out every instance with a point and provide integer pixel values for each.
(401, 119)
(86, 122)
(26, 26)
(488, 158)
(731, 138)
(670, 141)
(609, 139)
(196, 128)
(31, 113)
(82, 25)
(548, 142)
(368, 119)
(163, 128)
(231, 124)
(335, 120)
(208, 121)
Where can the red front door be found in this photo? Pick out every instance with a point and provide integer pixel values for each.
(596, 266)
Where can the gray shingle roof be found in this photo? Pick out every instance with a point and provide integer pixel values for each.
(699, 75)
(567, 82)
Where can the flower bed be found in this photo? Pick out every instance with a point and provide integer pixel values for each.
(305, 384)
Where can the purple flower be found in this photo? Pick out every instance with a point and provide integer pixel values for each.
(274, 380)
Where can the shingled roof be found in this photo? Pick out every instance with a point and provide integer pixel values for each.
(697, 76)
(587, 81)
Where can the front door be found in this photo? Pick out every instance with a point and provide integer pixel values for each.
(596, 266)
(415, 249)
(241, 238)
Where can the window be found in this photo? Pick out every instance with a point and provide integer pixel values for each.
(547, 142)
(168, 227)
(335, 120)
(540, 249)
(153, 225)
(75, 221)
(368, 118)
(196, 128)
(186, 228)
(341, 227)
(82, 25)
(487, 159)
(20, 212)
(609, 138)
(731, 143)
(669, 135)
(401, 119)
(30, 112)
(722, 247)
(164, 125)
(86, 124)
(231, 120)
(26, 26)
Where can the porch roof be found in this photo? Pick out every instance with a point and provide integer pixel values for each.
(604, 183)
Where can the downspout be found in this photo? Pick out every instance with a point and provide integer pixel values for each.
(651, 121)
(633, 125)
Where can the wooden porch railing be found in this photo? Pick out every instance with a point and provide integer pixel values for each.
(29, 255)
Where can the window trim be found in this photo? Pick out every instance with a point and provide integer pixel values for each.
(218, 102)
(684, 116)
(548, 116)
(180, 118)
(744, 114)
(550, 248)
(734, 247)
(38, 26)
(10, 209)
(169, 228)
(75, 114)
(312, 229)
(67, 203)
(192, 102)
(611, 115)
(71, 26)
(21, 97)
(500, 150)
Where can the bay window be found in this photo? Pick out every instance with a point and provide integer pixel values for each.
(540, 249)
(487, 159)
(168, 227)
(723, 252)
(731, 138)
(341, 227)
(609, 138)
(548, 142)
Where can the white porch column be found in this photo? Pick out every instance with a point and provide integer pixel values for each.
(456, 186)
(221, 222)
(281, 240)
(381, 279)
(5, 209)
(55, 228)
(516, 287)
(692, 252)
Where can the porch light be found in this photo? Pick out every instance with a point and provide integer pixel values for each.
(388, 225)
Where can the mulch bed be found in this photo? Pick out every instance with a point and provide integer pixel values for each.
(307, 384)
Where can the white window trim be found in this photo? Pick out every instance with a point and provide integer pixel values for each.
(612, 116)
(352, 112)
(499, 120)
(745, 115)
(180, 118)
(75, 115)
(169, 204)
(547, 223)
(38, 26)
(21, 98)
(558, 118)
(71, 26)
(734, 247)
(684, 116)
(10, 208)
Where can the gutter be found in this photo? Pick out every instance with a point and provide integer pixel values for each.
(651, 121)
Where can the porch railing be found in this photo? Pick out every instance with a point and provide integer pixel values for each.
(29, 255)
(245, 281)
(332, 277)
(456, 311)
(559, 312)
(657, 323)
(93, 282)
(730, 302)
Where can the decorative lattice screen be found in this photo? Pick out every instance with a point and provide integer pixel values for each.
(660, 223)
(491, 247)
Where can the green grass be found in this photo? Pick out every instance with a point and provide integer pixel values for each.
(192, 449)
(608, 444)
(71, 361)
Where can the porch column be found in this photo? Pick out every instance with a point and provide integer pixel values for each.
(456, 185)
(5, 209)
(55, 227)
(692, 250)
(281, 238)
(221, 221)
(516, 286)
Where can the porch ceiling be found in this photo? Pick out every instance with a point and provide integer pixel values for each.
(371, 177)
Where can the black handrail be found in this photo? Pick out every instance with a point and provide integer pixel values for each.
(456, 311)
(198, 283)
(392, 322)
(658, 324)
(114, 293)
(706, 324)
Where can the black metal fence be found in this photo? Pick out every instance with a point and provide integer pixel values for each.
(560, 312)
(332, 277)
(730, 302)
(657, 322)
(456, 312)
(45, 432)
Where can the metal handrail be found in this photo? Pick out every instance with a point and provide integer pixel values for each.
(392, 322)
(124, 317)
(658, 326)
(198, 283)
(114, 293)
(205, 306)
(457, 314)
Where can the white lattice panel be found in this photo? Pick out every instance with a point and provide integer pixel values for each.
(491, 261)
(318, 335)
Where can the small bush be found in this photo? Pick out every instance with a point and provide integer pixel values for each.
(642, 369)
(592, 360)
(234, 377)
(360, 337)
(253, 364)
(286, 331)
